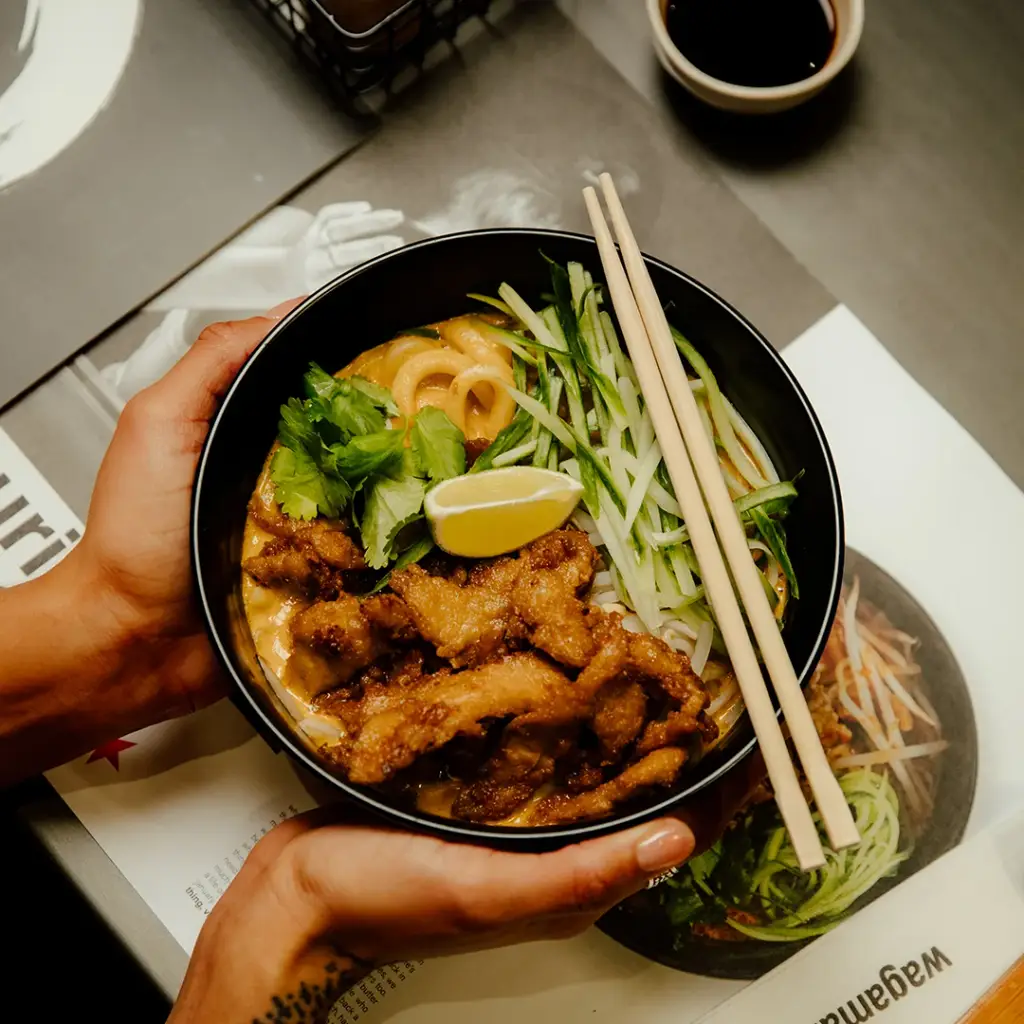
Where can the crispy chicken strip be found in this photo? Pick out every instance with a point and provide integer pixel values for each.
(554, 570)
(309, 560)
(326, 539)
(281, 565)
(533, 597)
(465, 623)
(447, 705)
(659, 768)
(619, 715)
(335, 639)
(623, 657)
(525, 760)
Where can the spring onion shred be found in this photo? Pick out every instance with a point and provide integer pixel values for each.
(829, 891)
(591, 422)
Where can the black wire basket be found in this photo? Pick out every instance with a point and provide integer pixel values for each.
(366, 46)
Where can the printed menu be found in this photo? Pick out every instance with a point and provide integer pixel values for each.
(177, 807)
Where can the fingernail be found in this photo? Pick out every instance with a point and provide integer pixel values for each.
(665, 847)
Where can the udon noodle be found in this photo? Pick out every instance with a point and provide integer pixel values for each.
(455, 372)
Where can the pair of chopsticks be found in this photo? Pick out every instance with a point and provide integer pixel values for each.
(686, 448)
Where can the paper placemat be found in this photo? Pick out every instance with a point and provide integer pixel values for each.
(177, 807)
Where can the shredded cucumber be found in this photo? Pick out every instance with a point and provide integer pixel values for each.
(590, 420)
(801, 905)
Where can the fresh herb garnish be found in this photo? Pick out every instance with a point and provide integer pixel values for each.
(438, 445)
(392, 502)
(302, 489)
(338, 456)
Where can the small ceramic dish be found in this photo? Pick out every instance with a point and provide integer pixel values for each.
(745, 99)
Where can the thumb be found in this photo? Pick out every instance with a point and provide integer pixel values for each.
(191, 390)
(595, 875)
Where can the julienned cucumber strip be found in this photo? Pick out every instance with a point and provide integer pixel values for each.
(772, 535)
(489, 300)
(772, 500)
(564, 433)
(763, 495)
(719, 413)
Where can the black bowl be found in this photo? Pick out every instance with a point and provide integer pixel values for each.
(426, 282)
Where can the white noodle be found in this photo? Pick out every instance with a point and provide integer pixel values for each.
(891, 757)
(726, 694)
(702, 648)
(753, 442)
(886, 677)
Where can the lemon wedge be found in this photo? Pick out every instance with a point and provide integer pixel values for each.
(481, 515)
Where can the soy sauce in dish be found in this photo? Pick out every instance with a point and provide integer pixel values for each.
(754, 42)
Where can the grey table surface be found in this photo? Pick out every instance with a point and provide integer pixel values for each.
(213, 120)
(899, 190)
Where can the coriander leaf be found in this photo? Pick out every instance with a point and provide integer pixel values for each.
(300, 488)
(320, 384)
(438, 445)
(391, 503)
(353, 412)
(295, 431)
(369, 454)
(377, 393)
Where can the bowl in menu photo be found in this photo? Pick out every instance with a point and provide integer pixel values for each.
(740, 909)
(413, 678)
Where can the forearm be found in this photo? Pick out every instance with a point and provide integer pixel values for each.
(64, 664)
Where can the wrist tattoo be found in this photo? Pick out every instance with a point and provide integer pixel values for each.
(309, 1002)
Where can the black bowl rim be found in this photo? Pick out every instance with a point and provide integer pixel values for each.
(496, 834)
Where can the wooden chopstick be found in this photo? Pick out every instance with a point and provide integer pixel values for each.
(788, 795)
(832, 805)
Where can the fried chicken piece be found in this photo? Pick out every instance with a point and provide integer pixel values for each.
(668, 731)
(659, 768)
(553, 571)
(335, 639)
(568, 553)
(332, 545)
(530, 598)
(466, 624)
(623, 657)
(619, 715)
(654, 659)
(281, 565)
(325, 539)
(524, 762)
(583, 777)
(611, 658)
(308, 559)
(374, 691)
(389, 617)
(446, 705)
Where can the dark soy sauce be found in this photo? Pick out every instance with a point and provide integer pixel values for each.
(754, 42)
